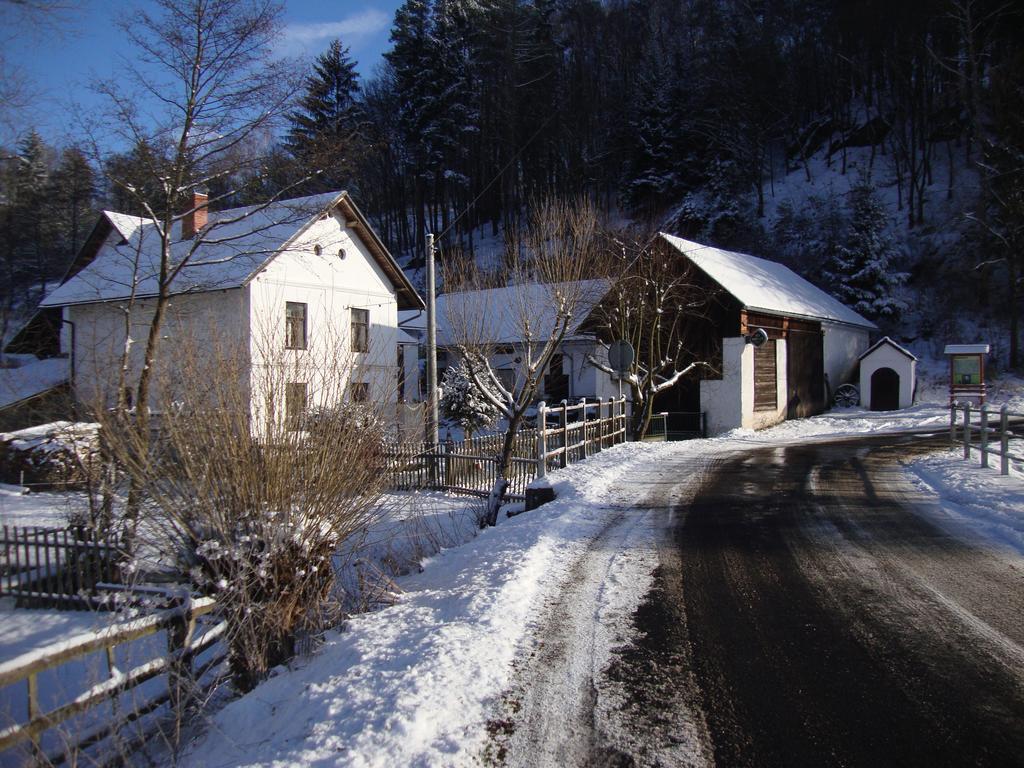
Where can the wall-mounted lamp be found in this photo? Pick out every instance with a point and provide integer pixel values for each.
(757, 338)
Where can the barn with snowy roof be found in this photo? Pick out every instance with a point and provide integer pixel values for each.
(780, 345)
(298, 284)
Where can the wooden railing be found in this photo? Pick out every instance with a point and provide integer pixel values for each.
(564, 434)
(976, 430)
(183, 678)
(59, 567)
(578, 431)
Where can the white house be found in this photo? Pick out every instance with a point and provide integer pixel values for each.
(301, 289)
(888, 376)
(500, 316)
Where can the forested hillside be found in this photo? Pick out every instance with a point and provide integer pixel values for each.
(876, 146)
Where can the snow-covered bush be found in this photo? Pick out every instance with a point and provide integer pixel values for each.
(463, 403)
(252, 503)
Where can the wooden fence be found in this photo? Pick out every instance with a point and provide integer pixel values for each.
(978, 431)
(59, 567)
(564, 434)
(466, 466)
(569, 433)
(184, 678)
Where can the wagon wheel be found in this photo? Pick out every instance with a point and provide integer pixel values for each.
(847, 396)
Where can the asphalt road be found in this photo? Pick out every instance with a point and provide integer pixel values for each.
(806, 610)
(829, 622)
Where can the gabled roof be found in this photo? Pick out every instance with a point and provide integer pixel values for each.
(237, 244)
(497, 314)
(766, 286)
(886, 340)
(966, 349)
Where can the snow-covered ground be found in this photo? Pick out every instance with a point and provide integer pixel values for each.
(414, 683)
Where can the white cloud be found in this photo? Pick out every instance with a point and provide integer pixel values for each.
(312, 37)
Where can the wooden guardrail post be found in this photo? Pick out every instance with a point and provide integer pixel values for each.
(1004, 441)
(967, 430)
(542, 439)
(984, 435)
(179, 667)
(586, 436)
(952, 423)
(34, 711)
(564, 456)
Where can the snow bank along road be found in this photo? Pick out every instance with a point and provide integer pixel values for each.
(807, 610)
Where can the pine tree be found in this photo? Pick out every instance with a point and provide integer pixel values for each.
(410, 58)
(462, 403)
(72, 191)
(862, 274)
(327, 123)
(31, 231)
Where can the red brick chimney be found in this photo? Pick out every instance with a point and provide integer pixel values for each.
(195, 219)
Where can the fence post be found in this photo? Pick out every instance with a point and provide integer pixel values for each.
(542, 439)
(967, 430)
(1004, 441)
(984, 435)
(179, 667)
(565, 434)
(952, 423)
(586, 437)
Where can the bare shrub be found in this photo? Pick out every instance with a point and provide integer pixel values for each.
(253, 484)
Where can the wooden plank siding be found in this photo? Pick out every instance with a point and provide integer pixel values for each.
(766, 392)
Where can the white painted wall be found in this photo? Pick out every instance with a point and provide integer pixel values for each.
(726, 400)
(330, 287)
(200, 332)
(729, 401)
(843, 345)
(887, 357)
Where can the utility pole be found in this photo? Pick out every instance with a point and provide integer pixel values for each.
(432, 404)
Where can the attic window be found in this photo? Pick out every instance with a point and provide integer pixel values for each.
(317, 249)
(341, 254)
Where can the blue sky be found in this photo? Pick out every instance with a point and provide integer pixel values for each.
(63, 57)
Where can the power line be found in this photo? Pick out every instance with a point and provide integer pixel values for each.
(499, 174)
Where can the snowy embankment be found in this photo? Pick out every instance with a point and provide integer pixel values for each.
(413, 684)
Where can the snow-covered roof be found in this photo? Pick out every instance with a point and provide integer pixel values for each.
(766, 286)
(966, 349)
(888, 342)
(499, 315)
(237, 243)
(31, 379)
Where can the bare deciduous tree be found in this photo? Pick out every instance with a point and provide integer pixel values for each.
(524, 312)
(659, 308)
(208, 68)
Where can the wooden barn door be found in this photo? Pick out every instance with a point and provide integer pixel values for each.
(766, 391)
(805, 370)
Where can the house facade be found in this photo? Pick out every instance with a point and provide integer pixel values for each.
(809, 343)
(297, 302)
